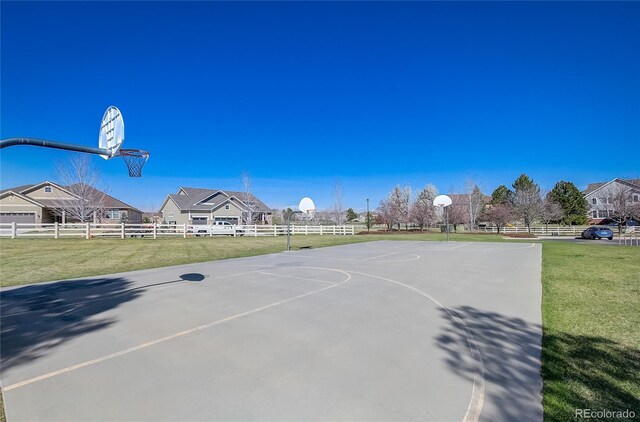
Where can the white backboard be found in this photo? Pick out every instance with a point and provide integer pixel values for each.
(442, 201)
(111, 131)
(306, 205)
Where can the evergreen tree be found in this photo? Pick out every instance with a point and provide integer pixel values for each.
(523, 182)
(572, 201)
(351, 214)
(502, 195)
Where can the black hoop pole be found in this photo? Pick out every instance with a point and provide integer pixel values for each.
(9, 142)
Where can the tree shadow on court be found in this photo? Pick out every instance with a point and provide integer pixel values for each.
(38, 318)
(580, 372)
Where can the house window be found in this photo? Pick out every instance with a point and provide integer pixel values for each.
(170, 214)
(594, 201)
(47, 189)
(595, 214)
(227, 207)
(636, 198)
(113, 214)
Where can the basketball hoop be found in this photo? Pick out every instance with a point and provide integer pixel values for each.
(134, 159)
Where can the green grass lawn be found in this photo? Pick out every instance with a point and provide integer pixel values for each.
(591, 337)
(590, 303)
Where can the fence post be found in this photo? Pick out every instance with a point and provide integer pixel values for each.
(56, 230)
(255, 230)
(86, 232)
(184, 230)
(14, 231)
(321, 230)
(121, 230)
(155, 230)
(275, 230)
(306, 229)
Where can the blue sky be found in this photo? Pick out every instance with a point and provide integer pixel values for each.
(299, 94)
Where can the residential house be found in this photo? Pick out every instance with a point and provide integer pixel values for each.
(48, 202)
(204, 206)
(601, 198)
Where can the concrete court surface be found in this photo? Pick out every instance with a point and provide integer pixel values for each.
(388, 330)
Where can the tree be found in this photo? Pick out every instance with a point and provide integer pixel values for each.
(351, 214)
(386, 214)
(499, 214)
(526, 200)
(337, 212)
(622, 206)
(550, 211)
(423, 212)
(502, 195)
(475, 202)
(247, 199)
(458, 211)
(523, 182)
(400, 199)
(572, 201)
(81, 179)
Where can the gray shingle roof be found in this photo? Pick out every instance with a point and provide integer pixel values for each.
(593, 186)
(195, 197)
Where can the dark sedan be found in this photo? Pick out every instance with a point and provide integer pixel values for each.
(597, 232)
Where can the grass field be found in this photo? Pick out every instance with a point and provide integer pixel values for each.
(590, 303)
(591, 337)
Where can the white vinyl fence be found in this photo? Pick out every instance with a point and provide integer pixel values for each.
(551, 231)
(154, 231)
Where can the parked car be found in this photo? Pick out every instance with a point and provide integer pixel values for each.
(217, 228)
(597, 232)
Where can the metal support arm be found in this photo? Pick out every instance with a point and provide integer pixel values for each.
(9, 142)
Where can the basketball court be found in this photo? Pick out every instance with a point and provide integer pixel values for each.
(391, 330)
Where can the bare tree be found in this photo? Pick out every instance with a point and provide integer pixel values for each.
(82, 180)
(528, 203)
(475, 202)
(550, 211)
(338, 211)
(247, 199)
(499, 214)
(423, 212)
(458, 211)
(622, 204)
(400, 199)
(387, 213)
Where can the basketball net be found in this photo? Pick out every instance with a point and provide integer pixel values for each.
(135, 159)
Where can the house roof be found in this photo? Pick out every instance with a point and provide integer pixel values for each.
(462, 198)
(109, 201)
(199, 199)
(592, 187)
(17, 189)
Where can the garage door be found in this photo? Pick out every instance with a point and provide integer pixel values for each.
(18, 217)
(199, 220)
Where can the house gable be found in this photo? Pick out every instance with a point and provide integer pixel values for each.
(13, 199)
(48, 190)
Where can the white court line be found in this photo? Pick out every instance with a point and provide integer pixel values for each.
(477, 393)
(459, 246)
(296, 277)
(379, 256)
(173, 336)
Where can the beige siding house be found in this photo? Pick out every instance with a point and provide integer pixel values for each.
(48, 202)
(204, 206)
